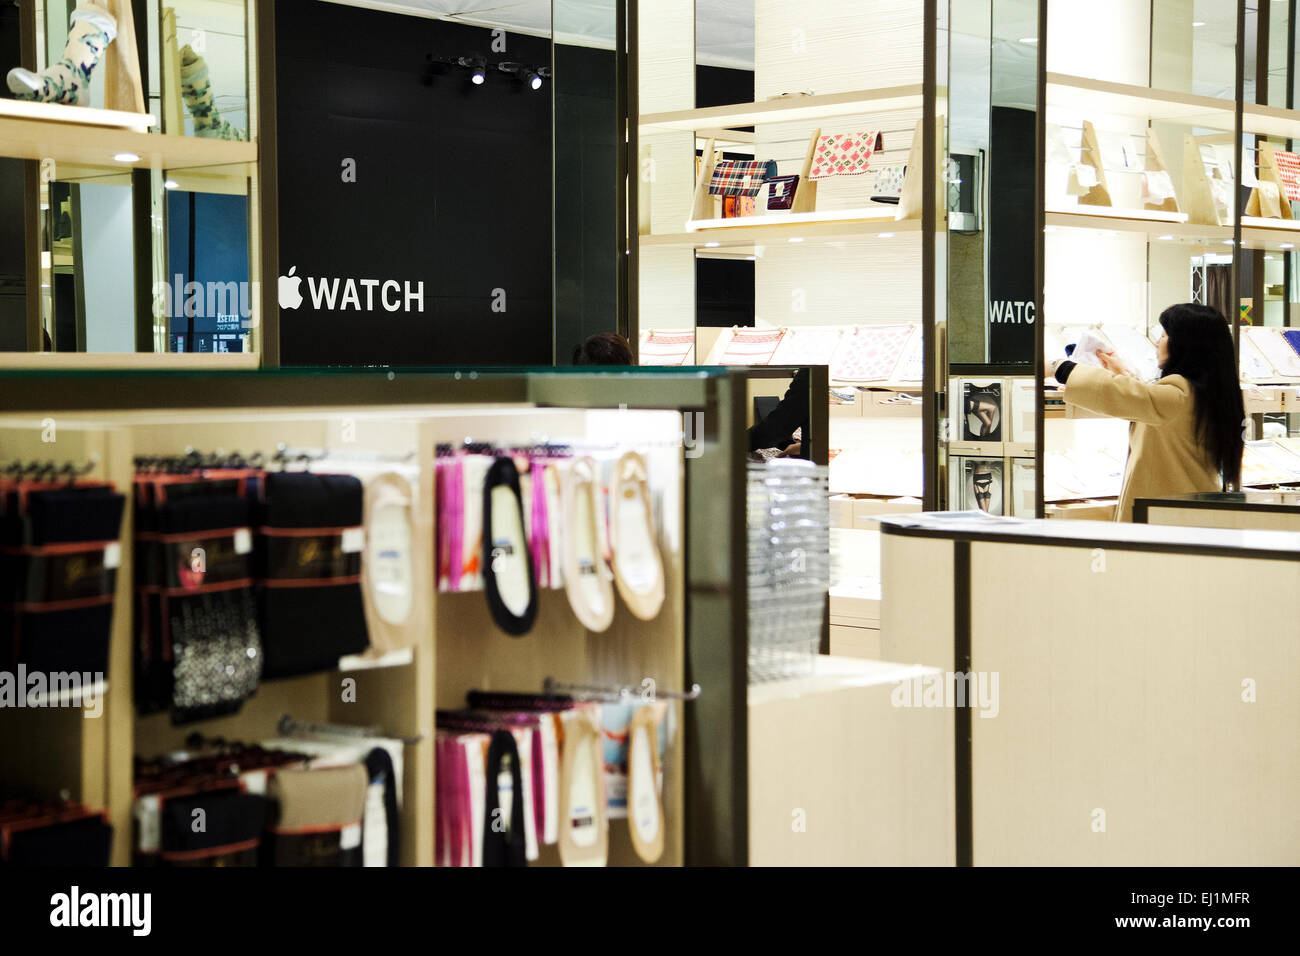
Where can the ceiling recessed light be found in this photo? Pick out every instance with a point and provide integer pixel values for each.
(712, 245)
(1228, 242)
(170, 184)
(1164, 238)
(886, 235)
(796, 239)
(1029, 41)
(1199, 23)
(127, 158)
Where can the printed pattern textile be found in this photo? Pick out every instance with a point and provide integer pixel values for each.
(814, 346)
(667, 348)
(869, 353)
(1288, 167)
(889, 183)
(844, 154)
(751, 346)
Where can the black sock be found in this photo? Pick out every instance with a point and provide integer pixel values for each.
(306, 629)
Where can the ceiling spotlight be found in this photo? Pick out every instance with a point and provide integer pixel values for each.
(531, 76)
(127, 158)
(477, 73)
(170, 184)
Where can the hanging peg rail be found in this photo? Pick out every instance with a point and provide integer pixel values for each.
(615, 692)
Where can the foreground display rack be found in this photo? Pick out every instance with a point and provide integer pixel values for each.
(320, 424)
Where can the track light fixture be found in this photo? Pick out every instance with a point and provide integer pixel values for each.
(533, 77)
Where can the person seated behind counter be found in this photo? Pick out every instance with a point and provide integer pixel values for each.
(1187, 428)
(603, 348)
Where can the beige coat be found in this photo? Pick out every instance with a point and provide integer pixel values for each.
(1164, 456)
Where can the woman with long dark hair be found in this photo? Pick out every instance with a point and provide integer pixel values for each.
(1187, 427)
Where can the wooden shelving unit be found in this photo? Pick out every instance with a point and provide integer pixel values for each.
(1088, 96)
(788, 109)
(1126, 221)
(81, 150)
(810, 227)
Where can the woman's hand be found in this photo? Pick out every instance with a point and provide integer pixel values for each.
(1113, 363)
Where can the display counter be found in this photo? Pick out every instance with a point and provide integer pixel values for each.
(1269, 510)
(840, 775)
(1132, 685)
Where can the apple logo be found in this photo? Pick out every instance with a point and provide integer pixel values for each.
(290, 293)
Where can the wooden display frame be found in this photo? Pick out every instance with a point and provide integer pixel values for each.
(1267, 172)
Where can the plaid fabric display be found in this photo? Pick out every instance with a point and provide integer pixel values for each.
(869, 353)
(844, 154)
(738, 177)
(1288, 168)
(751, 346)
(667, 348)
(781, 190)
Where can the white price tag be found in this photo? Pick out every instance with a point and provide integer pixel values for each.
(243, 541)
(112, 555)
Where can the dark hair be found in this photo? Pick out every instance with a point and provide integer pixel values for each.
(604, 348)
(1201, 350)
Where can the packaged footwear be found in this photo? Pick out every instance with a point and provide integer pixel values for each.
(507, 564)
(645, 813)
(586, 577)
(638, 566)
(387, 576)
(584, 830)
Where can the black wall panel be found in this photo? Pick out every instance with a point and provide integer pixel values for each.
(453, 189)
